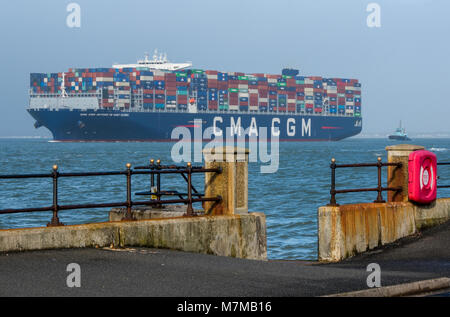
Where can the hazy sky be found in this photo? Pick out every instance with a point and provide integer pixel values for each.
(403, 66)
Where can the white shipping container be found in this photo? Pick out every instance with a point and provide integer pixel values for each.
(107, 79)
(349, 103)
(122, 84)
(253, 91)
(292, 100)
(253, 107)
(211, 76)
(146, 78)
(309, 81)
(243, 86)
(263, 99)
(233, 107)
(272, 80)
(308, 90)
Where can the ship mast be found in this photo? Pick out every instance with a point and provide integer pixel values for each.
(63, 87)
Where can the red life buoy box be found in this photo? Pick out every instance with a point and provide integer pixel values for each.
(422, 176)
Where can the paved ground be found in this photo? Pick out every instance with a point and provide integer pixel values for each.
(155, 272)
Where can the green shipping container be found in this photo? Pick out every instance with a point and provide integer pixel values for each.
(243, 77)
(286, 77)
(281, 84)
(300, 82)
(198, 71)
(233, 90)
(181, 74)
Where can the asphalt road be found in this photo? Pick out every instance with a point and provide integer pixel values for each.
(157, 272)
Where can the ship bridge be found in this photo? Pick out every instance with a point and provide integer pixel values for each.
(158, 62)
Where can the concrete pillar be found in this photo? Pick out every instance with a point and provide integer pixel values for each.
(231, 184)
(398, 177)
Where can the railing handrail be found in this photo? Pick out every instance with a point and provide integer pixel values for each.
(379, 188)
(443, 186)
(153, 169)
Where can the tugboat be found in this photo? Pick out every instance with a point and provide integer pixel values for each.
(399, 134)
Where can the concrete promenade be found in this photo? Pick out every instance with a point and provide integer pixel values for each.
(158, 272)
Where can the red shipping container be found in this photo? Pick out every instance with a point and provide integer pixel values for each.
(263, 104)
(211, 72)
(290, 82)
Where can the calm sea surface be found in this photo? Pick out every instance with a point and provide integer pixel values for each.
(289, 198)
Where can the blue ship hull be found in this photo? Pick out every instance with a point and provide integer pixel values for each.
(115, 125)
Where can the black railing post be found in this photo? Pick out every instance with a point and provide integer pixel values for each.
(158, 183)
(128, 215)
(152, 177)
(333, 183)
(380, 188)
(55, 220)
(189, 209)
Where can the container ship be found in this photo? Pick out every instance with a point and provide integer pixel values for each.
(147, 100)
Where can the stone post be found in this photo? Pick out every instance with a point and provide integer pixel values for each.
(398, 177)
(231, 184)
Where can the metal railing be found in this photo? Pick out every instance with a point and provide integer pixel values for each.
(379, 189)
(443, 186)
(151, 169)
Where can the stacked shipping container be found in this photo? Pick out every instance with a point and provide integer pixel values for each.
(211, 90)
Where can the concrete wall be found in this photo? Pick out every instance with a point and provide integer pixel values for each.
(242, 236)
(350, 229)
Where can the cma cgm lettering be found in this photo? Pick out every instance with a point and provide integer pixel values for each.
(278, 128)
(146, 101)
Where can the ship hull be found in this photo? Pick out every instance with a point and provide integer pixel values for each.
(399, 138)
(112, 125)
